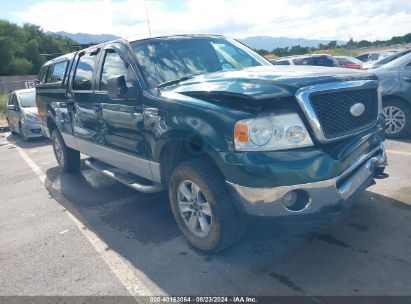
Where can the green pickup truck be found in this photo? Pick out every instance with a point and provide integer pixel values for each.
(224, 131)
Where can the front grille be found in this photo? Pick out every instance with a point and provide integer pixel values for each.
(333, 111)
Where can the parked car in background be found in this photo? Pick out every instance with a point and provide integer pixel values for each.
(374, 56)
(312, 59)
(381, 62)
(395, 86)
(349, 62)
(22, 115)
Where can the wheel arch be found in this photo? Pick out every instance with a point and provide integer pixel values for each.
(180, 147)
(389, 97)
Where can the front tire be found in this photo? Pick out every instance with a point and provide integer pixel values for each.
(67, 158)
(22, 134)
(397, 114)
(202, 208)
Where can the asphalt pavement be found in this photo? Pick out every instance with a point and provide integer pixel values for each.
(85, 234)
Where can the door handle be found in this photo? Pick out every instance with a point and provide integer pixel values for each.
(407, 79)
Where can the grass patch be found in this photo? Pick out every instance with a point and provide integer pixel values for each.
(4, 98)
(338, 52)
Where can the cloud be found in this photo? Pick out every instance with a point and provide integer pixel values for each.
(321, 19)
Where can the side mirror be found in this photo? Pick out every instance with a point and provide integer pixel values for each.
(117, 87)
(10, 107)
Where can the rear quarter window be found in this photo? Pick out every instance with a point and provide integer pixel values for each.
(42, 74)
(56, 72)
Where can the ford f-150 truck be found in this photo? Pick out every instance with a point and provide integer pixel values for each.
(227, 133)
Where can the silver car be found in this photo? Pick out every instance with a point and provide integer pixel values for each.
(22, 115)
(395, 87)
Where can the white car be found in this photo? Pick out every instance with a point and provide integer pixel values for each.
(22, 115)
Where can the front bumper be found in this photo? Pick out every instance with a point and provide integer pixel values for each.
(332, 194)
(32, 129)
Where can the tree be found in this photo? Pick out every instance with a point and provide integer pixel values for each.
(262, 52)
(332, 44)
(21, 48)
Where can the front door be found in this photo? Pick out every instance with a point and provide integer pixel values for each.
(121, 121)
(15, 114)
(405, 79)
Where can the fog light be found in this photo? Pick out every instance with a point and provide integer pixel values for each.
(296, 200)
(289, 199)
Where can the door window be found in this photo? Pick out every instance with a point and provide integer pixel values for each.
(325, 61)
(114, 65)
(84, 72)
(303, 61)
(15, 102)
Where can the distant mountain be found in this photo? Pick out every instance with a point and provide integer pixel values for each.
(84, 38)
(258, 42)
(270, 43)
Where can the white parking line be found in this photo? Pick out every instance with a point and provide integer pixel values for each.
(398, 152)
(115, 262)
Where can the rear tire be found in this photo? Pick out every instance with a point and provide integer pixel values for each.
(67, 158)
(225, 224)
(397, 114)
(10, 128)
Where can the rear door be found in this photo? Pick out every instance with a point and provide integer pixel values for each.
(80, 96)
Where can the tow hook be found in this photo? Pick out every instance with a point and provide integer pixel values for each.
(381, 175)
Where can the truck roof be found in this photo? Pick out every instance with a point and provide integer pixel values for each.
(127, 40)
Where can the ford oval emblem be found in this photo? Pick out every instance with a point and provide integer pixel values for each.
(357, 109)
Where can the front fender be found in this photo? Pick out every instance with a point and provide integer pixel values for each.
(185, 137)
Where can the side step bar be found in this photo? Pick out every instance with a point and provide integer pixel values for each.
(123, 177)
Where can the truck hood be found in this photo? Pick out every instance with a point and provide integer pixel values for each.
(263, 82)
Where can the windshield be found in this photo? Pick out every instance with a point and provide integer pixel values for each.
(27, 99)
(165, 60)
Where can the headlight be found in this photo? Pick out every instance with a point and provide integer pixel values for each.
(30, 116)
(270, 133)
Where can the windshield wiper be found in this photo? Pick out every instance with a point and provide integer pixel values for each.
(169, 83)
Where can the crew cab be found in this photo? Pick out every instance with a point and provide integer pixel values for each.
(224, 131)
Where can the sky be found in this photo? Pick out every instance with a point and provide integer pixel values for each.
(320, 19)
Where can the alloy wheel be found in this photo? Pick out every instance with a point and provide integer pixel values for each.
(194, 208)
(394, 119)
(58, 150)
